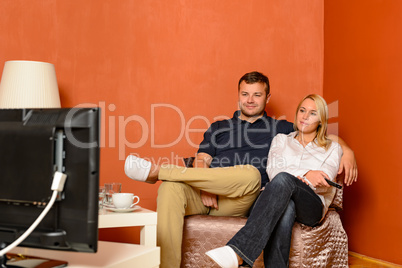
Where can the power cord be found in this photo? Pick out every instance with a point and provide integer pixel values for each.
(57, 186)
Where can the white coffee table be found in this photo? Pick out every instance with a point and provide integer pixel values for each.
(143, 217)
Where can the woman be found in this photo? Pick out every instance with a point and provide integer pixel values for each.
(298, 165)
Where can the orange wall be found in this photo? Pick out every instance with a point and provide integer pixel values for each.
(362, 71)
(128, 56)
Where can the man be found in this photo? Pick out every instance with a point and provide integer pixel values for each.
(244, 139)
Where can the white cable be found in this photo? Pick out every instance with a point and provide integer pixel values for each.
(57, 186)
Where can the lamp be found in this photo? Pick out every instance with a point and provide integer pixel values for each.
(29, 84)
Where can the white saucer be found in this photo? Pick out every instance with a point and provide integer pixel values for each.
(114, 209)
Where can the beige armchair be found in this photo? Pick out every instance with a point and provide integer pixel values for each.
(323, 246)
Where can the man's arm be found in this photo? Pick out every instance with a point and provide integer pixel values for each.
(348, 161)
(203, 160)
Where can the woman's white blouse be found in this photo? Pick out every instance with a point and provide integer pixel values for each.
(288, 155)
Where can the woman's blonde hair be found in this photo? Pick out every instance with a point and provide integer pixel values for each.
(322, 110)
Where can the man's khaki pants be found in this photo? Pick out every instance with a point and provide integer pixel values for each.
(179, 195)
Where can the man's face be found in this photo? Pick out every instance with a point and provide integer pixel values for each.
(252, 100)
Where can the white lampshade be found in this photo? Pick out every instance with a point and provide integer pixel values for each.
(29, 84)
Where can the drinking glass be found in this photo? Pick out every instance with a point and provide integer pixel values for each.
(116, 187)
(110, 189)
(101, 196)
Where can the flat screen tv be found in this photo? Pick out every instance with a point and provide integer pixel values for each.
(34, 144)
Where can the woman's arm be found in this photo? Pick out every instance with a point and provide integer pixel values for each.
(328, 169)
(348, 161)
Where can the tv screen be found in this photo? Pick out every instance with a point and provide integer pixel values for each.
(34, 144)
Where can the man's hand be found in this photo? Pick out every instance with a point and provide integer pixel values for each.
(348, 164)
(202, 160)
(209, 200)
(348, 161)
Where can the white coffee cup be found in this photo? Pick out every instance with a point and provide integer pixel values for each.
(125, 200)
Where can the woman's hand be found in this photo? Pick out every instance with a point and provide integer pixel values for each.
(316, 178)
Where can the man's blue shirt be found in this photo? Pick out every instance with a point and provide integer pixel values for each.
(237, 142)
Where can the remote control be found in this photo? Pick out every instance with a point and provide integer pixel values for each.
(334, 184)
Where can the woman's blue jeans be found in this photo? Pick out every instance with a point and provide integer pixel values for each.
(269, 226)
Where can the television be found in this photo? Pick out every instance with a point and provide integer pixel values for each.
(34, 144)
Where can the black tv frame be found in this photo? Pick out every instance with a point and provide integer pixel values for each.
(34, 143)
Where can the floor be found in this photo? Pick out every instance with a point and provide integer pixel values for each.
(361, 262)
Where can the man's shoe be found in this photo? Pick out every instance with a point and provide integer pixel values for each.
(225, 257)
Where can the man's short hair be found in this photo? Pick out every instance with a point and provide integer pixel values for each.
(255, 77)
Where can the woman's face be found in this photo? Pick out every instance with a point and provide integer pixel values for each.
(307, 119)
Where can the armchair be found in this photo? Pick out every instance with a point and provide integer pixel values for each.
(323, 246)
